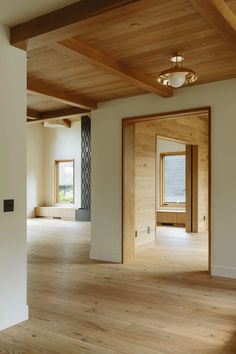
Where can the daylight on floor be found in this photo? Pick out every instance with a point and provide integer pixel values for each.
(117, 228)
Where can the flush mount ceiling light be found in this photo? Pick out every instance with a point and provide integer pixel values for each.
(54, 124)
(177, 75)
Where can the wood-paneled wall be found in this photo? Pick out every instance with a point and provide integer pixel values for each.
(65, 213)
(188, 129)
(174, 217)
(145, 181)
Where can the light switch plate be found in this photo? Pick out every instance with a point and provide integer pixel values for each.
(8, 205)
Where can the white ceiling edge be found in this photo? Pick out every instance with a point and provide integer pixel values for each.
(14, 12)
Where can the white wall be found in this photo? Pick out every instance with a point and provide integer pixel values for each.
(164, 145)
(107, 167)
(44, 146)
(13, 308)
(61, 144)
(35, 168)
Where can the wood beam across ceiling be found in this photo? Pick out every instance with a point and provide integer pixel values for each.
(55, 114)
(218, 14)
(61, 96)
(60, 24)
(67, 123)
(32, 114)
(59, 113)
(77, 49)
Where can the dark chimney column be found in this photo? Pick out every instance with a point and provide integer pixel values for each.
(83, 214)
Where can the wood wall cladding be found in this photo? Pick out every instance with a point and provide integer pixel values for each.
(188, 129)
(128, 199)
(55, 212)
(171, 217)
(191, 205)
(145, 181)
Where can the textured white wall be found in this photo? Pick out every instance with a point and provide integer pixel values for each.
(44, 146)
(107, 167)
(61, 144)
(13, 308)
(34, 168)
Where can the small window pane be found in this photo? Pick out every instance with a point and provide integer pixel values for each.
(174, 179)
(65, 182)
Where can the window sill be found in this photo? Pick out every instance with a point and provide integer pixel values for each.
(64, 206)
(171, 209)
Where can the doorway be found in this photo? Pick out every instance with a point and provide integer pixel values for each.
(177, 188)
(139, 187)
(171, 184)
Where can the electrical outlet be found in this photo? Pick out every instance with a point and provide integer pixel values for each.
(148, 230)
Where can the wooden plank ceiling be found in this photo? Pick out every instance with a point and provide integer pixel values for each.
(108, 53)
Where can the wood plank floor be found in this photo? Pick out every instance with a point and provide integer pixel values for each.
(163, 304)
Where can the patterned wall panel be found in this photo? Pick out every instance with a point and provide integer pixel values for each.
(85, 163)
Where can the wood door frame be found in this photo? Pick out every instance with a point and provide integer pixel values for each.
(192, 188)
(128, 180)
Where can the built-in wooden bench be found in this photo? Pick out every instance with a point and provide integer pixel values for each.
(65, 213)
(171, 217)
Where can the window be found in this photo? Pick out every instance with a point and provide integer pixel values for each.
(64, 181)
(173, 179)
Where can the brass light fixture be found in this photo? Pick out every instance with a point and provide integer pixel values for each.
(177, 75)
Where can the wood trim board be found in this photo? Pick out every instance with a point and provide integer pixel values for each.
(192, 188)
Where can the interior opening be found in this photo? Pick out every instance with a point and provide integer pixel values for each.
(171, 191)
(59, 189)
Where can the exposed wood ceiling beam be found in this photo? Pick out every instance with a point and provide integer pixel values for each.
(220, 17)
(67, 123)
(79, 50)
(61, 96)
(57, 114)
(60, 24)
(32, 114)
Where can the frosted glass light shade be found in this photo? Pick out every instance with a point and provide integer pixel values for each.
(53, 125)
(176, 79)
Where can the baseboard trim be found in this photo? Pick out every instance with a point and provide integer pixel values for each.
(227, 272)
(102, 256)
(13, 316)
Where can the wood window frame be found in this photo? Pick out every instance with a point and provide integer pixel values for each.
(162, 184)
(56, 182)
